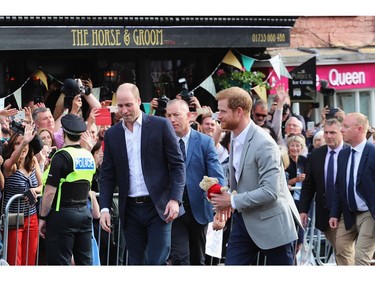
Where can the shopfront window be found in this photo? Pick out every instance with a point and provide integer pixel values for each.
(346, 101)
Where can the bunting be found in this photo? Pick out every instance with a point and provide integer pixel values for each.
(17, 96)
(279, 67)
(208, 83)
(40, 74)
(261, 92)
(232, 60)
(247, 62)
(209, 86)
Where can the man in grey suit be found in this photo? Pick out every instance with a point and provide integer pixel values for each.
(265, 215)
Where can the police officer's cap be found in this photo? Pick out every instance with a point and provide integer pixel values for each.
(70, 87)
(73, 124)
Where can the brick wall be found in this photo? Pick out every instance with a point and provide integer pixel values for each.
(323, 32)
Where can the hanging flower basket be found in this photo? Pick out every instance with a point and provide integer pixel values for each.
(239, 78)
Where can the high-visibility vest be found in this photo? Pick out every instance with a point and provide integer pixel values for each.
(84, 168)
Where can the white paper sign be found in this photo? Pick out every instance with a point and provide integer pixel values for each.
(214, 242)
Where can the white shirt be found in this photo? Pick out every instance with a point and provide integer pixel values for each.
(133, 148)
(336, 150)
(238, 143)
(361, 205)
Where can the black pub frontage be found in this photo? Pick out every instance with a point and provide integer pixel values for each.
(152, 52)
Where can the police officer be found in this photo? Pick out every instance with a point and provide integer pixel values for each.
(65, 219)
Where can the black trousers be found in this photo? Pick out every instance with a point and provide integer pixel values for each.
(69, 235)
(188, 240)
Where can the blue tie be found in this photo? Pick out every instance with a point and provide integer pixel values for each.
(182, 147)
(351, 199)
(330, 180)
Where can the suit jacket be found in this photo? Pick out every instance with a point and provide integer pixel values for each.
(263, 198)
(315, 185)
(201, 160)
(162, 165)
(365, 184)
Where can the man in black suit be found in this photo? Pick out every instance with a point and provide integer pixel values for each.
(143, 158)
(354, 190)
(317, 183)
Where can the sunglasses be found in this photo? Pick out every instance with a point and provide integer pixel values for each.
(260, 115)
(3, 140)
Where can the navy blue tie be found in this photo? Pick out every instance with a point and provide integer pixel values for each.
(351, 199)
(330, 180)
(182, 147)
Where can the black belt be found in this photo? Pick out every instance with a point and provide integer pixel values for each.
(141, 199)
(361, 212)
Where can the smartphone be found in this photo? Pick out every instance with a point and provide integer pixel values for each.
(20, 115)
(310, 125)
(30, 197)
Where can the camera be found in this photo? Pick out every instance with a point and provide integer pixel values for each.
(17, 127)
(162, 104)
(83, 90)
(331, 113)
(185, 94)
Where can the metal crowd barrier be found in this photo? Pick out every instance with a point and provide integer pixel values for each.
(316, 250)
(111, 246)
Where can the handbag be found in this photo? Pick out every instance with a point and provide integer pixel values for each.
(15, 221)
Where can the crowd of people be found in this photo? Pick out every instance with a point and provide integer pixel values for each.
(147, 168)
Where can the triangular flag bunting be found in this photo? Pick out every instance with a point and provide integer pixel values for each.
(279, 67)
(283, 71)
(261, 92)
(17, 96)
(231, 59)
(40, 74)
(96, 92)
(114, 99)
(209, 86)
(247, 62)
(2, 102)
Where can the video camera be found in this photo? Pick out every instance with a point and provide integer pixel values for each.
(185, 93)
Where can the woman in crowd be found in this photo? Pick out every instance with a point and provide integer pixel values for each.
(22, 174)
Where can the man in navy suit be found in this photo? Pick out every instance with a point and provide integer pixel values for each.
(316, 185)
(189, 231)
(143, 159)
(354, 190)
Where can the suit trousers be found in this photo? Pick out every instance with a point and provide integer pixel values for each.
(188, 240)
(147, 236)
(243, 251)
(361, 238)
(345, 240)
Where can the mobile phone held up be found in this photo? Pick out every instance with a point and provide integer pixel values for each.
(30, 197)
